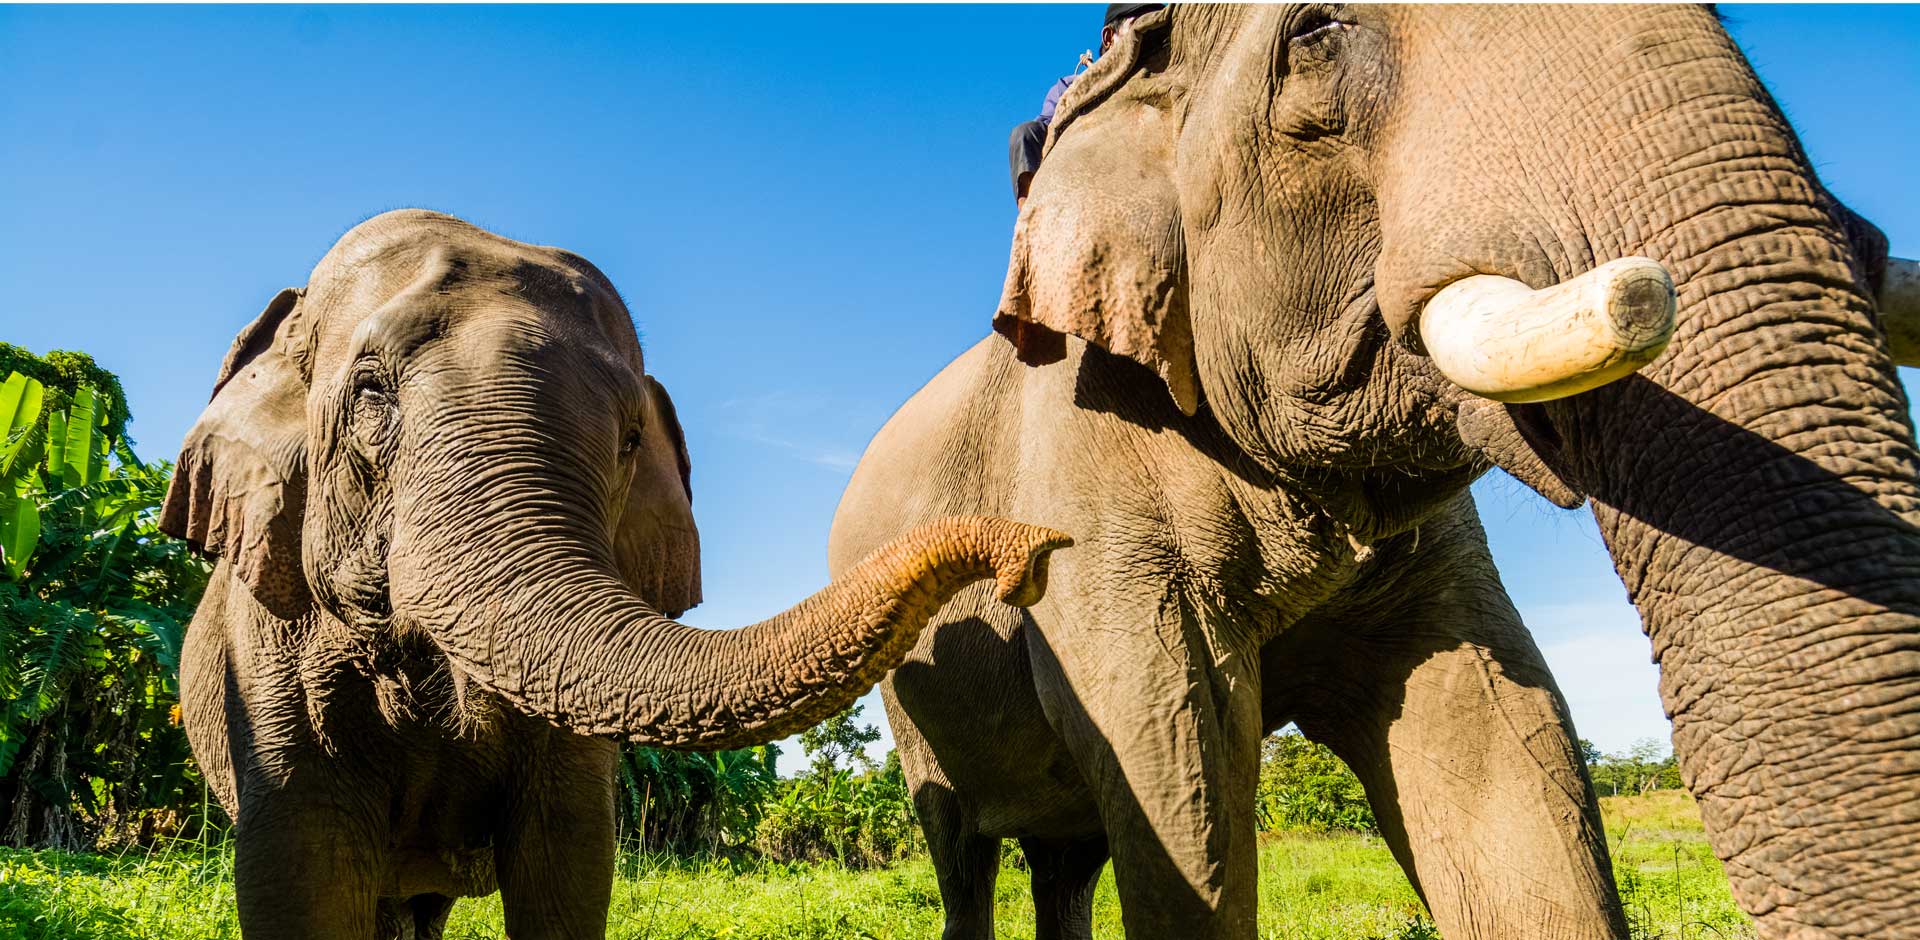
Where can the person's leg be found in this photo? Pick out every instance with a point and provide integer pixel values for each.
(1023, 155)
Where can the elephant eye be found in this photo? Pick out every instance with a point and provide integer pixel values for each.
(372, 411)
(630, 441)
(1316, 26)
(371, 400)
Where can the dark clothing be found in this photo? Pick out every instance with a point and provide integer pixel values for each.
(1118, 13)
(1023, 149)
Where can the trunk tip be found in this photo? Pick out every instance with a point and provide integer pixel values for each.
(1019, 556)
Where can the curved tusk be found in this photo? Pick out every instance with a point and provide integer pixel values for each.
(1500, 339)
(1900, 310)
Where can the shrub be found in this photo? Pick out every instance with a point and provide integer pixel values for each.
(859, 820)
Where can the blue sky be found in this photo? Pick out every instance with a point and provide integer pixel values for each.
(806, 207)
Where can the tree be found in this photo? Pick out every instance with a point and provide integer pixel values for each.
(1590, 752)
(840, 738)
(93, 606)
(1304, 786)
(692, 803)
(1646, 766)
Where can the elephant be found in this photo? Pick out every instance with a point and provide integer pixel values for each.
(451, 517)
(1211, 370)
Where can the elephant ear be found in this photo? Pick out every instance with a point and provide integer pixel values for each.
(239, 489)
(1869, 245)
(658, 547)
(1099, 251)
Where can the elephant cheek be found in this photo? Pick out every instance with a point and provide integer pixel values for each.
(348, 534)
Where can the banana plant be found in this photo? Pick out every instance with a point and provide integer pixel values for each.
(20, 401)
(93, 606)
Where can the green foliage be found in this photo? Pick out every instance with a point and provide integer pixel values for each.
(94, 602)
(1416, 928)
(180, 889)
(859, 820)
(1644, 768)
(63, 374)
(1304, 786)
(691, 803)
(1671, 884)
(840, 738)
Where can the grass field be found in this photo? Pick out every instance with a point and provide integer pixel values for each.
(1343, 887)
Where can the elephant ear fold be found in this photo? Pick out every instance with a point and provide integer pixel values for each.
(1099, 251)
(657, 546)
(1869, 245)
(239, 489)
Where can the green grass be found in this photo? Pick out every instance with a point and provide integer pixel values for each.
(1338, 887)
(1670, 883)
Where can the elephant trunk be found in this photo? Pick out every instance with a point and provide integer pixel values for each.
(1757, 490)
(1757, 495)
(1756, 485)
(553, 631)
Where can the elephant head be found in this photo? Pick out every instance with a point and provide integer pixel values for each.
(449, 438)
(1258, 204)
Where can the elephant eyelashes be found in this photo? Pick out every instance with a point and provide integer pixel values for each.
(1318, 41)
(372, 408)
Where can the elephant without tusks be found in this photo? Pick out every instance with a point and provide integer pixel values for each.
(1214, 380)
(452, 517)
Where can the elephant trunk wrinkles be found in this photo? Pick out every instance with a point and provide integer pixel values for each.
(1757, 491)
(559, 635)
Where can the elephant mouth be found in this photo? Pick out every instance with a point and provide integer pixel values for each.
(361, 587)
(1509, 348)
(1522, 440)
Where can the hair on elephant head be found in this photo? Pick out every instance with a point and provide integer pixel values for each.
(449, 439)
(1260, 202)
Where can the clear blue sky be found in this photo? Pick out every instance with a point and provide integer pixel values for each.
(806, 207)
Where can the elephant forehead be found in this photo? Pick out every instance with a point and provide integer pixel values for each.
(415, 274)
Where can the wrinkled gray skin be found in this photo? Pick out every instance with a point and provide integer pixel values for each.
(1245, 208)
(449, 508)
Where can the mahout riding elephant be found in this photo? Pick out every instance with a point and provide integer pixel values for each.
(1212, 376)
(452, 519)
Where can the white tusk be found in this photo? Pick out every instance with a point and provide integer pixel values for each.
(1900, 310)
(1500, 339)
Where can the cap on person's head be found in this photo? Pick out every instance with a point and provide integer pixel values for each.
(1118, 13)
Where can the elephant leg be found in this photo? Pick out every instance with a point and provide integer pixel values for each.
(429, 913)
(1065, 873)
(1450, 718)
(393, 920)
(555, 859)
(305, 867)
(1163, 719)
(965, 863)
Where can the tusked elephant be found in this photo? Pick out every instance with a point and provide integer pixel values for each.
(452, 517)
(1212, 375)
